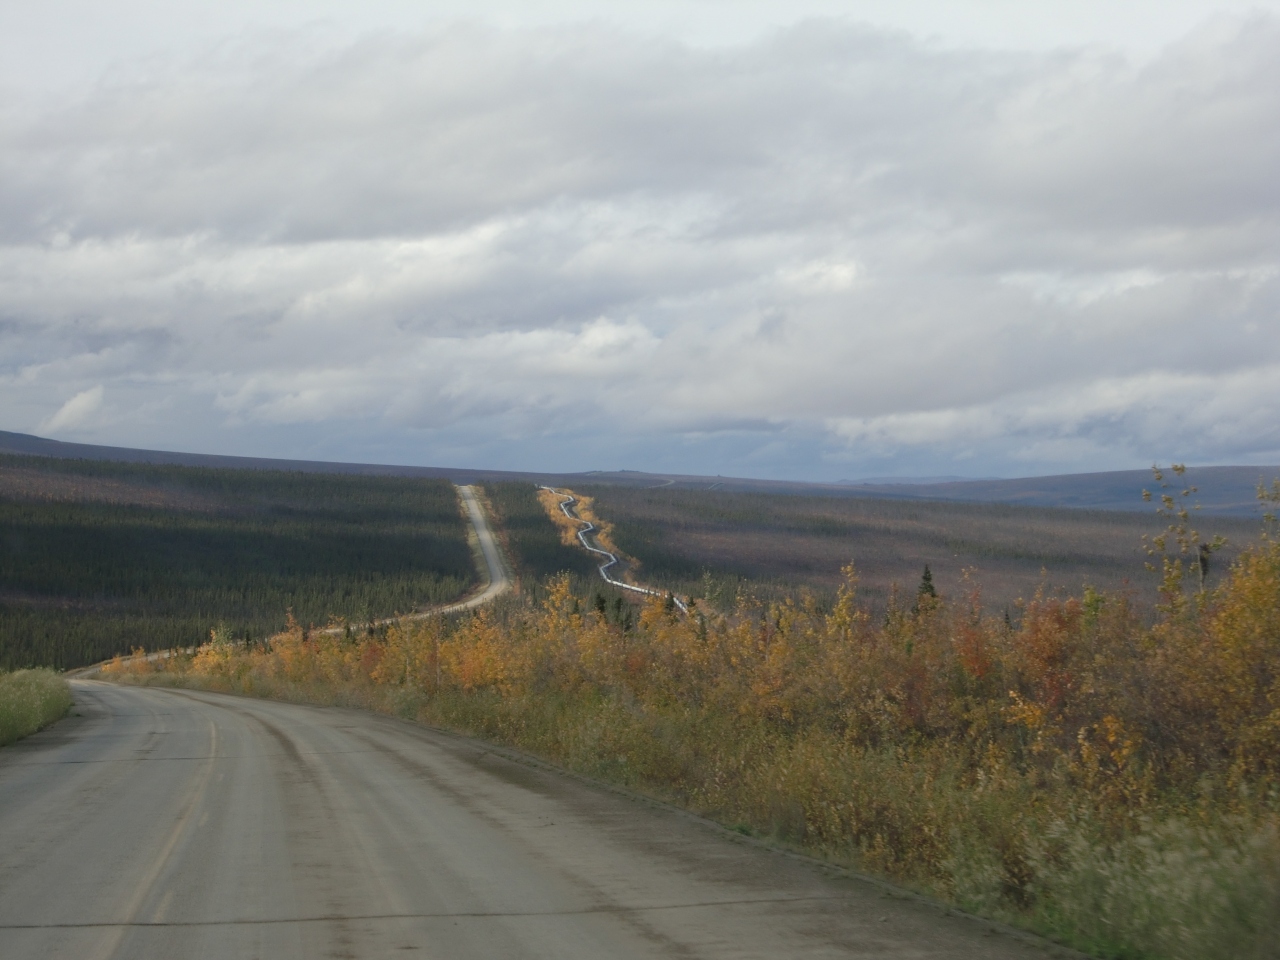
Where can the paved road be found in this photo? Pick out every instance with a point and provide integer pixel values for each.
(161, 824)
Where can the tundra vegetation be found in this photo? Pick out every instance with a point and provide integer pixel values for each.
(97, 558)
(1104, 776)
(30, 700)
(781, 543)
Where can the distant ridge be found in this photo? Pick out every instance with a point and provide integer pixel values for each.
(1222, 490)
(26, 444)
(910, 481)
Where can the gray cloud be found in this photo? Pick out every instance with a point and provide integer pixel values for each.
(829, 251)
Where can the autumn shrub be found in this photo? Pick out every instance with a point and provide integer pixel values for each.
(551, 501)
(1105, 780)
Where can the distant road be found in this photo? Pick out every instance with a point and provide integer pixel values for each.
(164, 824)
(499, 580)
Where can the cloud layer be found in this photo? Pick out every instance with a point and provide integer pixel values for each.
(833, 252)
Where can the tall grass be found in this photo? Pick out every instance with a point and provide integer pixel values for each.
(1105, 781)
(30, 700)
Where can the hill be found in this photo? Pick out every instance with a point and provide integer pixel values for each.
(1221, 490)
(1228, 490)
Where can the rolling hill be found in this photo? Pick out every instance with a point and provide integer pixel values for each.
(1227, 490)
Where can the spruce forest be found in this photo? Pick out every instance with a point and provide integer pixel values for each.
(98, 558)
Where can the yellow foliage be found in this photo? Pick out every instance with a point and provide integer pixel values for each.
(551, 501)
(603, 533)
(584, 507)
(137, 664)
(895, 739)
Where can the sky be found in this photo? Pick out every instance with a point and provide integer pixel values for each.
(809, 240)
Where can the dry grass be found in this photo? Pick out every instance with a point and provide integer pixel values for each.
(30, 700)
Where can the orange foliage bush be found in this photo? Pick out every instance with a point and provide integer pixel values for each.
(900, 741)
(584, 507)
(1080, 685)
(550, 501)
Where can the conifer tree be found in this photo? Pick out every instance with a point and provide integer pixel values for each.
(926, 588)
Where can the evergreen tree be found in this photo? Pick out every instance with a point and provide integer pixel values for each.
(926, 588)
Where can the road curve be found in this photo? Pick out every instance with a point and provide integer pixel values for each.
(163, 824)
(499, 580)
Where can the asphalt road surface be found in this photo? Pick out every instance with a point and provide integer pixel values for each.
(162, 824)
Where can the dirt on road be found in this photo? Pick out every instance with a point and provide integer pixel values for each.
(169, 824)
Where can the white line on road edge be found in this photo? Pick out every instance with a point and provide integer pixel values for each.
(568, 501)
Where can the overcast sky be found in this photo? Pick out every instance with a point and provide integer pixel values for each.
(803, 240)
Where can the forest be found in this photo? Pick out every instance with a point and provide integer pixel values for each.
(98, 558)
(714, 543)
(534, 544)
